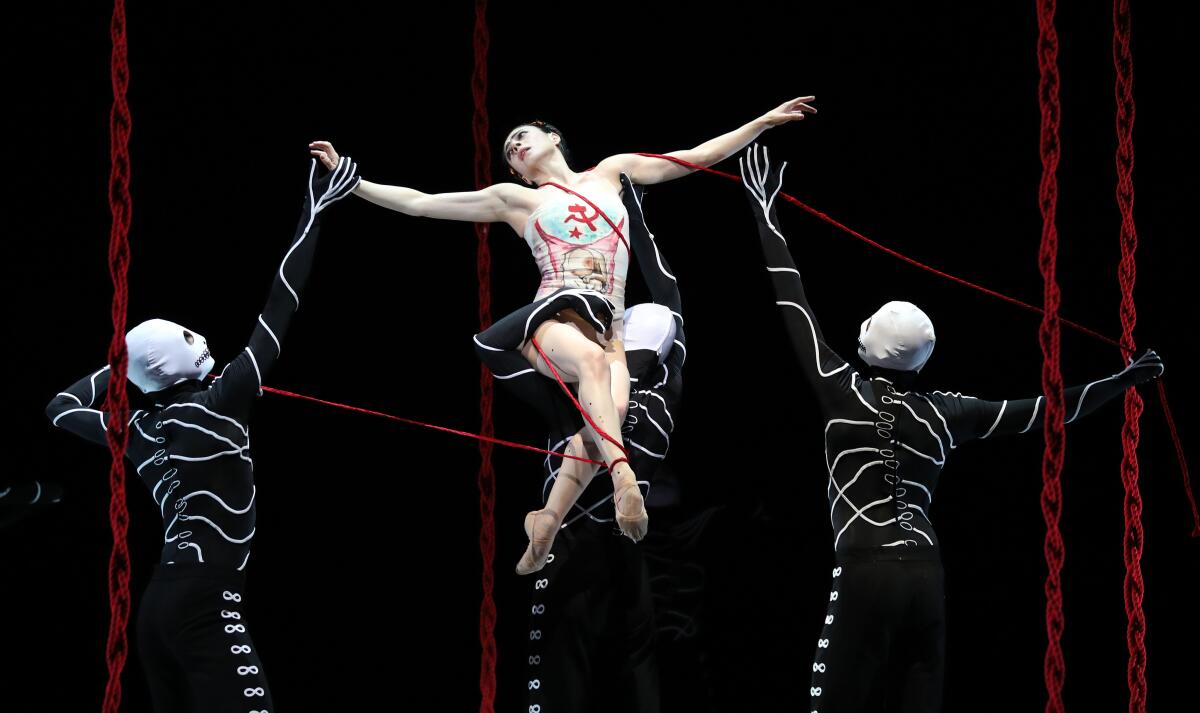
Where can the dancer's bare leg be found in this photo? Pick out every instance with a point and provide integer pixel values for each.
(541, 526)
(581, 360)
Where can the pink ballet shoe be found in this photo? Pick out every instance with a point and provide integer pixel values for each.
(630, 508)
(541, 526)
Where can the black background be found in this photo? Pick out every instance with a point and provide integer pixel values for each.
(366, 569)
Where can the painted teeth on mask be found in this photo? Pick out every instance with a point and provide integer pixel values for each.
(200, 360)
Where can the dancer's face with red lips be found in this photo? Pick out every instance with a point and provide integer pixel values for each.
(526, 146)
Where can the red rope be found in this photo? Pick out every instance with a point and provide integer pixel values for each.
(487, 474)
(596, 208)
(443, 429)
(879, 246)
(117, 402)
(1183, 467)
(1135, 631)
(1162, 396)
(575, 401)
(1049, 335)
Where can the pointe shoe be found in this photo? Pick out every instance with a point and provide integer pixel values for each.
(541, 526)
(630, 509)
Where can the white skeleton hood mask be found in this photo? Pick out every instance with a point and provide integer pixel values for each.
(899, 336)
(162, 354)
(650, 326)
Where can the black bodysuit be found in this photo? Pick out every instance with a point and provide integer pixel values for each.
(885, 446)
(192, 452)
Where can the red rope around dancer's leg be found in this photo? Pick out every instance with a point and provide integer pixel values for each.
(575, 401)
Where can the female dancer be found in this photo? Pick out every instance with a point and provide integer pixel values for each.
(655, 348)
(575, 224)
(592, 616)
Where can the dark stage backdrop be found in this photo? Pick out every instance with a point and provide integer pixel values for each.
(365, 579)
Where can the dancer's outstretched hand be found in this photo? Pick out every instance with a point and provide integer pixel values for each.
(324, 151)
(794, 110)
(334, 185)
(1147, 367)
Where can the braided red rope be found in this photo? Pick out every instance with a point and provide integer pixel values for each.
(487, 474)
(1135, 631)
(117, 401)
(1048, 336)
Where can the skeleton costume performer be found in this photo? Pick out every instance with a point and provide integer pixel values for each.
(192, 451)
(591, 627)
(885, 446)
